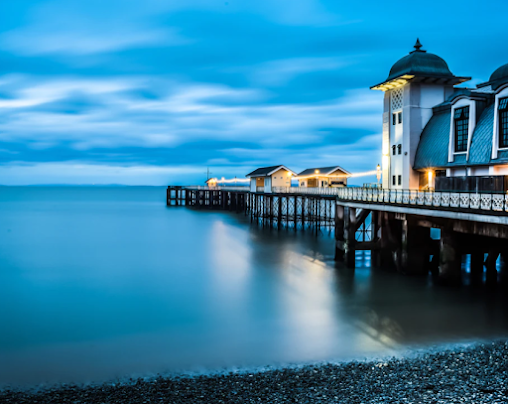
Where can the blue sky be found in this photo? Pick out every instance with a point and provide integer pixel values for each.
(154, 92)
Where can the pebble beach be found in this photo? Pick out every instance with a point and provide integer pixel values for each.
(473, 374)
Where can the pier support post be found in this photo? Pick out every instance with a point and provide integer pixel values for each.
(491, 274)
(414, 256)
(375, 224)
(477, 267)
(449, 258)
(339, 233)
(349, 236)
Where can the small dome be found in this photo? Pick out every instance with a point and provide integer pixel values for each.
(420, 63)
(501, 73)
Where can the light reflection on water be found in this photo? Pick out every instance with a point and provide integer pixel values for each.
(98, 283)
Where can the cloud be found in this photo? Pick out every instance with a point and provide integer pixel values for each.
(279, 72)
(81, 174)
(38, 41)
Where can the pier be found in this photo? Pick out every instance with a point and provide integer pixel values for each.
(395, 225)
(292, 207)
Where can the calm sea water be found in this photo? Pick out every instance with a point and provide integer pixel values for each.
(100, 283)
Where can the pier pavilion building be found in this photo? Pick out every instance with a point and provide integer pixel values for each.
(323, 177)
(264, 179)
(442, 137)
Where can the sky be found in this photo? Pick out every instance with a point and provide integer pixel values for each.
(156, 92)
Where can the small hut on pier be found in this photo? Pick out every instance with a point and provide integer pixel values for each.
(266, 178)
(323, 177)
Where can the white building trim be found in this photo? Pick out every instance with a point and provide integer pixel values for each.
(495, 136)
(460, 103)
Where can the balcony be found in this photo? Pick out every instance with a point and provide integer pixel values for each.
(496, 202)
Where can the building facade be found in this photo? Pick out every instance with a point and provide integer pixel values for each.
(438, 136)
(266, 178)
(323, 177)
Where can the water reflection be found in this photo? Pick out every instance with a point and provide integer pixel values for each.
(103, 283)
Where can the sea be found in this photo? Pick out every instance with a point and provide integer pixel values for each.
(106, 283)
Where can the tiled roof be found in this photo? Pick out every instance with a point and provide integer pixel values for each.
(322, 170)
(433, 147)
(265, 171)
(480, 151)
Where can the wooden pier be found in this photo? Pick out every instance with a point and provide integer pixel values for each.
(394, 225)
(277, 210)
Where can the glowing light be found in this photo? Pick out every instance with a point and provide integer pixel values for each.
(430, 175)
(317, 171)
(373, 172)
(226, 181)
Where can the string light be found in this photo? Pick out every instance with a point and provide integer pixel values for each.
(224, 180)
(338, 175)
(233, 180)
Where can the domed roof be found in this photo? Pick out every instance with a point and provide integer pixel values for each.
(419, 66)
(501, 73)
(420, 63)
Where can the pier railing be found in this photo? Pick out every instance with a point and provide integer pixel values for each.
(462, 200)
(220, 188)
(304, 190)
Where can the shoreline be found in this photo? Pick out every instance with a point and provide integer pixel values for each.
(470, 372)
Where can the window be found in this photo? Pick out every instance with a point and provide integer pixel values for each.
(400, 117)
(393, 180)
(400, 179)
(399, 149)
(394, 119)
(393, 150)
(503, 123)
(461, 122)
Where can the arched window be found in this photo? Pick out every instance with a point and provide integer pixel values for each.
(461, 122)
(503, 123)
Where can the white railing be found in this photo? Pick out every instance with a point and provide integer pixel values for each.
(459, 200)
(305, 190)
(219, 188)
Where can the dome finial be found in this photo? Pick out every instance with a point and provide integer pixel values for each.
(418, 46)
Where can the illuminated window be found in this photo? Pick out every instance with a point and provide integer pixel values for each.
(503, 122)
(461, 122)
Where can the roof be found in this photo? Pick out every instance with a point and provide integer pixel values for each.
(419, 65)
(433, 147)
(267, 171)
(322, 170)
(498, 78)
(432, 150)
(500, 73)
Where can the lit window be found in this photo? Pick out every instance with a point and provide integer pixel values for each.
(461, 121)
(400, 179)
(399, 149)
(503, 122)
(400, 117)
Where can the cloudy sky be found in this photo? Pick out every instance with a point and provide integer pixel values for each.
(156, 91)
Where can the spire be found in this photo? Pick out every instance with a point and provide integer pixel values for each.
(418, 46)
